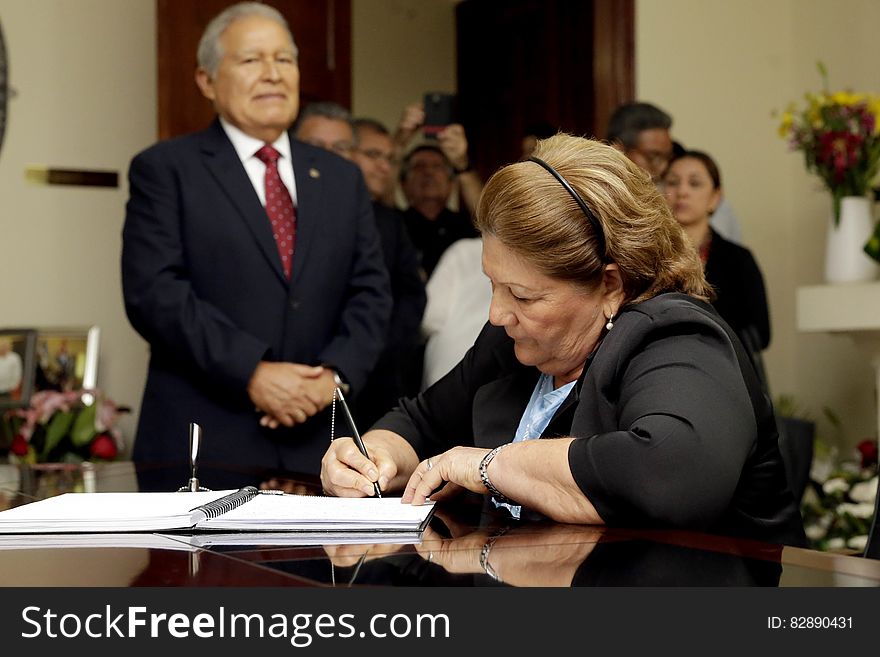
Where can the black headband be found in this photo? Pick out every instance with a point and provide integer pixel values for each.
(597, 226)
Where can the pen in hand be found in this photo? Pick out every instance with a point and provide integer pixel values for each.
(357, 436)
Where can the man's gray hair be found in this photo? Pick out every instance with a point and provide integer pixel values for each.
(630, 119)
(210, 50)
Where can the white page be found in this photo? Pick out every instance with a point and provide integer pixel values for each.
(100, 512)
(121, 512)
(294, 512)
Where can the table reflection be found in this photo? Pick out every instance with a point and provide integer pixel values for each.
(453, 553)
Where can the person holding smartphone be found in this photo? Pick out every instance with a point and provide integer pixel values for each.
(430, 174)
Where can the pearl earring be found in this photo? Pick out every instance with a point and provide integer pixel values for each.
(610, 324)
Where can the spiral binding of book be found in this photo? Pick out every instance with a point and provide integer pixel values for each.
(228, 502)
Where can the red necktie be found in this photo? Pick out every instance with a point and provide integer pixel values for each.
(279, 207)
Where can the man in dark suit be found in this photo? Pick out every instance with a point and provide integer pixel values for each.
(330, 126)
(253, 314)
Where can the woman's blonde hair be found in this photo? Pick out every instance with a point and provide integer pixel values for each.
(531, 213)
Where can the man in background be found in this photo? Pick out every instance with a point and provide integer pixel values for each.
(642, 132)
(375, 155)
(427, 178)
(326, 125)
(329, 125)
(252, 266)
(438, 183)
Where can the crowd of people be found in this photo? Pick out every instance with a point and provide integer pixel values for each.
(571, 339)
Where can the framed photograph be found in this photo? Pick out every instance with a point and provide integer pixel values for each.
(18, 348)
(67, 358)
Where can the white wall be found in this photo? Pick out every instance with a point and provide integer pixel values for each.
(721, 68)
(84, 72)
(400, 50)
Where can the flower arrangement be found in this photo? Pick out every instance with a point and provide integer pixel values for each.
(838, 505)
(69, 427)
(839, 135)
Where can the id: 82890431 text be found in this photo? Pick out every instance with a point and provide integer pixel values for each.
(810, 623)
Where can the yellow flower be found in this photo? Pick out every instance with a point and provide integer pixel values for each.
(785, 124)
(874, 108)
(846, 98)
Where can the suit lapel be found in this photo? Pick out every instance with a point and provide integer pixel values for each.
(309, 192)
(223, 164)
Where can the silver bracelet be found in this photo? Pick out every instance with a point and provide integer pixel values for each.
(484, 556)
(484, 474)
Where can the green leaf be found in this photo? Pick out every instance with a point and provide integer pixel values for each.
(872, 246)
(58, 427)
(84, 427)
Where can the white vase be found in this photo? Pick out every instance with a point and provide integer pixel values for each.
(845, 259)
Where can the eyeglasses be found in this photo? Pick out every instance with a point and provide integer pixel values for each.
(375, 154)
(343, 148)
(654, 159)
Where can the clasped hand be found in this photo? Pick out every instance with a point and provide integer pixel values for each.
(290, 393)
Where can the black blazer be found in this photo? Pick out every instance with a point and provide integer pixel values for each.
(672, 427)
(395, 375)
(203, 285)
(742, 300)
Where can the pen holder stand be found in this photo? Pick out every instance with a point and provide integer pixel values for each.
(192, 486)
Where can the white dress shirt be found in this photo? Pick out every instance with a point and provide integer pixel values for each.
(246, 146)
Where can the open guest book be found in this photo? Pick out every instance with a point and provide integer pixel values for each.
(247, 510)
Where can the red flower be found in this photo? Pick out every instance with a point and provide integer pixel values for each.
(104, 447)
(19, 445)
(868, 451)
(840, 150)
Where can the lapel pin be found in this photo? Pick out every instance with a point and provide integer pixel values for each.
(314, 173)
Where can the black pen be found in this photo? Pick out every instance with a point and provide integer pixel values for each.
(357, 437)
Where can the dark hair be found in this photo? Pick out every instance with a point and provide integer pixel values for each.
(421, 148)
(326, 109)
(630, 119)
(365, 123)
(708, 162)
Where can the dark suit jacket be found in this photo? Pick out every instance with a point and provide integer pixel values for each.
(672, 426)
(203, 285)
(742, 301)
(395, 375)
(433, 236)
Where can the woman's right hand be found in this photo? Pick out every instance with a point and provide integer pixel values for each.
(345, 472)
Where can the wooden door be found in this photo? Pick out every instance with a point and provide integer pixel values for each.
(321, 29)
(520, 62)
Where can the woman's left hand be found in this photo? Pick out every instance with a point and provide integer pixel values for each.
(460, 466)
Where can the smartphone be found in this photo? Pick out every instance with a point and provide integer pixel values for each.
(439, 113)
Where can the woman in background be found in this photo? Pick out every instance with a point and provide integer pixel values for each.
(692, 186)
